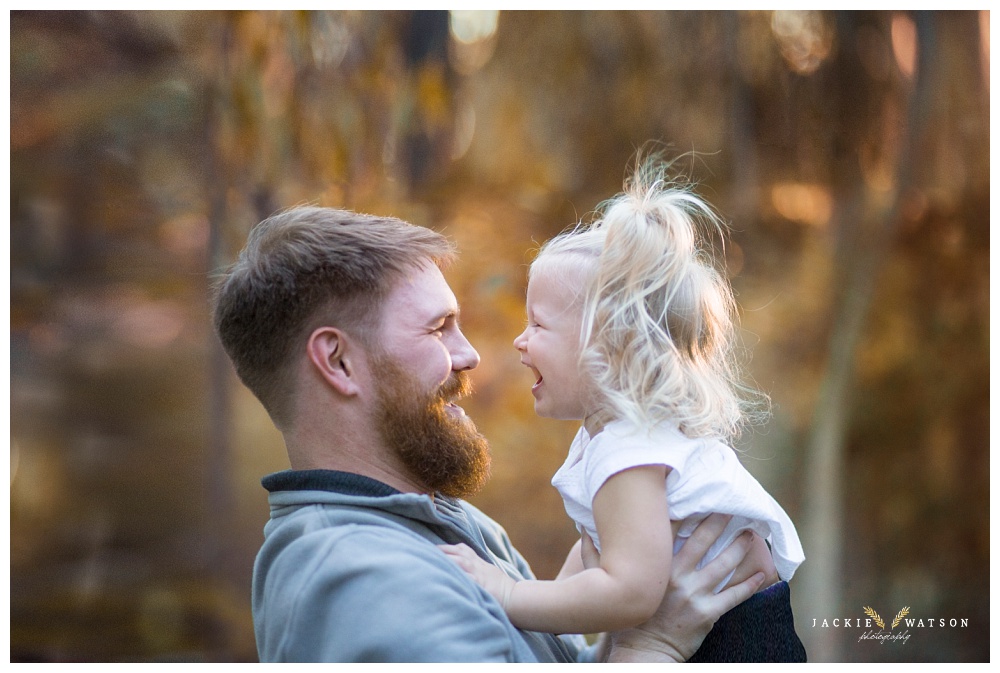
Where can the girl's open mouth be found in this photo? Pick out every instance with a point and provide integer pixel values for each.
(539, 378)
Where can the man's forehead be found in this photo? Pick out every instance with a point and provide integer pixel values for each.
(423, 293)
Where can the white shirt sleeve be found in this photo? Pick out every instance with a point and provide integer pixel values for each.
(705, 477)
(620, 447)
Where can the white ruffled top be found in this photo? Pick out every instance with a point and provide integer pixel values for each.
(705, 477)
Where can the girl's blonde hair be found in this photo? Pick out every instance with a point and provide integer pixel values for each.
(658, 329)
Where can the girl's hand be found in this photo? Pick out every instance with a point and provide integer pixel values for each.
(486, 575)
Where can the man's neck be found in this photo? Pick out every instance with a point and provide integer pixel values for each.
(353, 464)
(348, 452)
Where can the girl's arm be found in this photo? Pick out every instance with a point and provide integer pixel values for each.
(583, 555)
(691, 607)
(631, 514)
(573, 563)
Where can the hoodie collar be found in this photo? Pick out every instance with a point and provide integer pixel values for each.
(298, 488)
(346, 483)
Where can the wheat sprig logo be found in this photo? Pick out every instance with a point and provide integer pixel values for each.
(874, 615)
(899, 616)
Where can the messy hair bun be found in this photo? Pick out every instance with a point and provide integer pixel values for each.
(658, 316)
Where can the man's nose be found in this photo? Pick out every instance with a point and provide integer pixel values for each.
(463, 355)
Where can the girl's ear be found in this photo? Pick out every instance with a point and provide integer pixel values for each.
(331, 353)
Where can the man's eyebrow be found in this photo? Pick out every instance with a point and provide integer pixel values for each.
(443, 316)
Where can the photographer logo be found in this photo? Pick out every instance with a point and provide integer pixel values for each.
(897, 631)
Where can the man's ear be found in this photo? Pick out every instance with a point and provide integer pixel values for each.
(332, 353)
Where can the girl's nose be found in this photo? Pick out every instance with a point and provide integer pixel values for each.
(519, 340)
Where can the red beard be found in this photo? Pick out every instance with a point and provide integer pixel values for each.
(442, 451)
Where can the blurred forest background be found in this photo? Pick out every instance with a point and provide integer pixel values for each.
(849, 150)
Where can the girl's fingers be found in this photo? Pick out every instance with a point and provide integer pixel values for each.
(461, 554)
(460, 549)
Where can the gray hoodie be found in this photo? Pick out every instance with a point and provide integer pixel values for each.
(349, 571)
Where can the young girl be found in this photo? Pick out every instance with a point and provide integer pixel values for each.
(630, 330)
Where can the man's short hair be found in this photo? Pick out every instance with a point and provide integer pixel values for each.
(303, 268)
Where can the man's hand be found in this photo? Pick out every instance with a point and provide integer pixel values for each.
(689, 608)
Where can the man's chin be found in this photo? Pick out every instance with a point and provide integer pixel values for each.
(455, 411)
(434, 438)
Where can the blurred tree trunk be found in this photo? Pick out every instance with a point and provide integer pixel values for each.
(868, 221)
(219, 496)
(745, 169)
(426, 119)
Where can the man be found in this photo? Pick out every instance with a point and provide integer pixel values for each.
(345, 329)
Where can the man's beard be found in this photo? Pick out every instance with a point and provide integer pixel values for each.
(442, 451)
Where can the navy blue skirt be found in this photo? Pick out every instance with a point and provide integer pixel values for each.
(759, 629)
